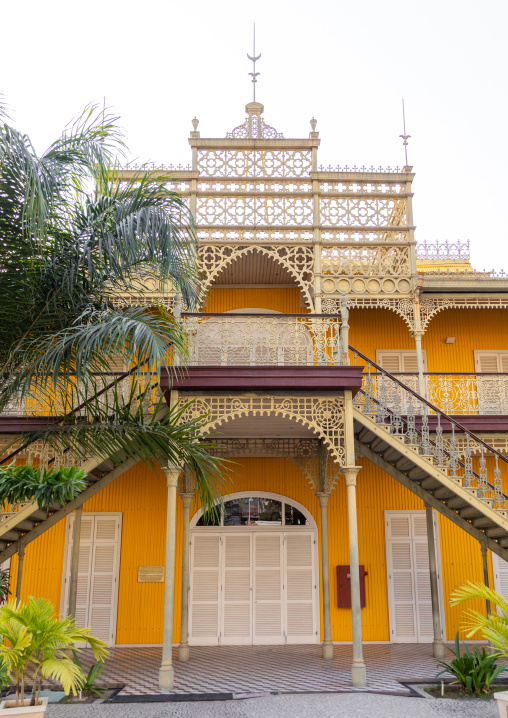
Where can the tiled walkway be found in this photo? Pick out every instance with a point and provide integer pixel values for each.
(265, 669)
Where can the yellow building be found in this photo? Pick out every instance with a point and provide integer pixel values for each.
(359, 382)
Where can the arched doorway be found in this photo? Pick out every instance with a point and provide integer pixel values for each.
(254, 577)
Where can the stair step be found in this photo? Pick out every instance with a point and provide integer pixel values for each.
(430, 484)
(391, 454)
(443, 493)
(496, 532)
(471, 512)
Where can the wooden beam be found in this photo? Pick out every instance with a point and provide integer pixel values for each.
(429, 499)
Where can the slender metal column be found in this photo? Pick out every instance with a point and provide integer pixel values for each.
(183, 649)
(21, 558)
(485, 573)
(358, 670)
(438, 645)
(325, 578)
(417, 336)
(73, 579)
(166, 670)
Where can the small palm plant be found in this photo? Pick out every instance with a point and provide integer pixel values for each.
(494, 628)
(35, 641)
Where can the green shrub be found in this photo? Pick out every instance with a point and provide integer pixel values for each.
(475, 670)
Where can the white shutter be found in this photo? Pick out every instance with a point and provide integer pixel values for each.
(409, 597)
(236, 590)
(487, 362)
(84, 567)
(205, 589)
(400, 579)
(422, 578)
(268, 588)
(300, 591)
(98, 573)
(500, 575)
(400, 361)
(104, 578)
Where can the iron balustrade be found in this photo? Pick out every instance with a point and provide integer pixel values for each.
(407, 415)
(263, 339)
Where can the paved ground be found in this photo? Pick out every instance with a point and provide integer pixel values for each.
(265, 669)
(294, 706)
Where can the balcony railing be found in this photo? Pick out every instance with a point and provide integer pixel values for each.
(452, 393)
(264, 339)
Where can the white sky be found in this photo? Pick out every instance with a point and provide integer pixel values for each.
(159, 63)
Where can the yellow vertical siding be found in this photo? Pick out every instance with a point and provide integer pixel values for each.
(286, 300)
(473, 329)
(140, 495)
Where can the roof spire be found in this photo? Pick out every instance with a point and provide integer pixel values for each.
(254, 74)
(405, 137)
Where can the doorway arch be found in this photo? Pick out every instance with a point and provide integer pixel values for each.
(254, 575)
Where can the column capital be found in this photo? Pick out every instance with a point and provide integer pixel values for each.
(172, 474)
(350, 473)
(417, 333)
(323, 497)
(186, 497)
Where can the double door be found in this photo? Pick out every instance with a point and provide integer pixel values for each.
(253, 588)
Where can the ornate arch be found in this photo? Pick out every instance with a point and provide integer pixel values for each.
(298, 261)
(262, 494)
(403, 307)
(323, 415)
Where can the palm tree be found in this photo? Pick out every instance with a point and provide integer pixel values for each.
(494, 628)
(76, 243)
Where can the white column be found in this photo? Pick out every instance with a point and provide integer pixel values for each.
(485, 573)
(325, 579)
(166, 670)
(21, 558)
(183, 649)
(73, 579)
(417, 336)
(438, 645)
(358, 671)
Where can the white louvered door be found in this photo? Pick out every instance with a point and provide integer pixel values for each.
(300, 587)
(236, 589)
(104, 578)
(268, 588)
(500, 575)
(98, 573)
(205, 589)
(409, 597)
(253, 588)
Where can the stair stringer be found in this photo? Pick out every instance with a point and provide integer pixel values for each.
(443, 509)
(436, 474)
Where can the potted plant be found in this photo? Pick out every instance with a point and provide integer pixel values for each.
(494, 628)
(34, 648)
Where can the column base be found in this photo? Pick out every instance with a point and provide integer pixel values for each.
(358, 675)
(438, 649)
(327, 650)
(166, 677)
(183, 652)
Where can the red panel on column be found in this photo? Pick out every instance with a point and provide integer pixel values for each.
(344, 586)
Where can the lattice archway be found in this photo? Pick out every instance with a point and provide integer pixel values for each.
(297, 261)
(324, 416)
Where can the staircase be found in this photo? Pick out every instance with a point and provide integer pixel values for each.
(27, 521)
(431, 454)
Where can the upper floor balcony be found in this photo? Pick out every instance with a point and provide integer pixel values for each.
(298, 351)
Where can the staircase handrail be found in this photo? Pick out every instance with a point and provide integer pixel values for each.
(434, 408)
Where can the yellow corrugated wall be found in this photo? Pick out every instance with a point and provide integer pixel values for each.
(285, 300)
(140, 495)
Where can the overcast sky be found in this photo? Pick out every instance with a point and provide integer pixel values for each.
(159, 63)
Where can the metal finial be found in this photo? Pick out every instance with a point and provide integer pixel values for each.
(405, 137)
(195, 123)
(313, 124)
(254, 74)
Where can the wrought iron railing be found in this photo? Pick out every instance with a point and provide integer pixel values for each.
(466, 394)
(264, 339)
(431, 433)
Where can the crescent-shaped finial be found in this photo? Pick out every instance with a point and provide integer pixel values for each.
(254, 59)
